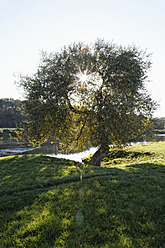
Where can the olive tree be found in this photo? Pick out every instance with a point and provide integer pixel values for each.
(89, 95)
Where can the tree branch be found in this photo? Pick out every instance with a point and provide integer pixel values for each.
(80, 132)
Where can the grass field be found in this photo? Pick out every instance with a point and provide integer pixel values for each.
(47, 202)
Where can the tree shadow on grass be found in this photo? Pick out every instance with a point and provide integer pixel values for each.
(29, 172)
(147, 168)
(118, 208)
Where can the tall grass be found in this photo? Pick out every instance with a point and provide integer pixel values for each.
(50, 202)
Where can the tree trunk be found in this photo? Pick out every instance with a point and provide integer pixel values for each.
(98, 156)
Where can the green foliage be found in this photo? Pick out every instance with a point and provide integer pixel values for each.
(159, 125)
(43, 202)
(89, 95)
(11, 113)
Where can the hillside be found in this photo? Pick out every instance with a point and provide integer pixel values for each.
(50, 202)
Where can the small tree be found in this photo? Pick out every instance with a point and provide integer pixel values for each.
(89, 96)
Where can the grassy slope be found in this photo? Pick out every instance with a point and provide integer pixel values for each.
(44, 202)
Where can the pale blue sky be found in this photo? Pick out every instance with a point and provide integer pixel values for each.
(29, 26)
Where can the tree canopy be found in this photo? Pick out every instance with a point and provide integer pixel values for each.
(89, 95)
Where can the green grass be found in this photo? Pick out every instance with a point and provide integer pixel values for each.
(44, 203)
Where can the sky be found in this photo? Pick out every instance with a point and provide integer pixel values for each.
(28, 27)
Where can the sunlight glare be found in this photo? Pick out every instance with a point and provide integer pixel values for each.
(83, 77)
(84, 85)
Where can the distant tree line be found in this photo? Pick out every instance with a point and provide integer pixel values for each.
(159, 124)
(11, 113)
